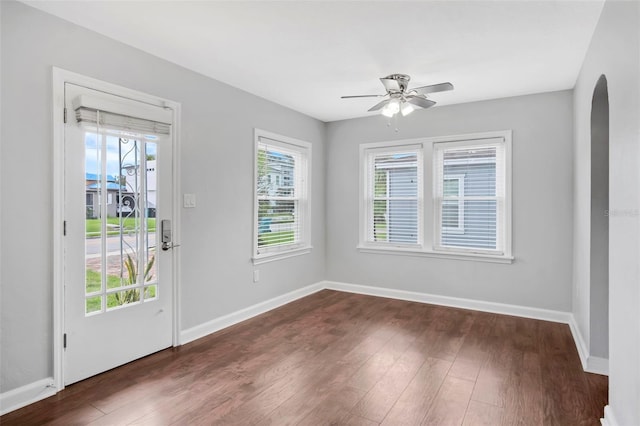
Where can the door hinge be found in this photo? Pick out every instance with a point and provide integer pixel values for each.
(65, 115)
(64, 341)
(64, 228)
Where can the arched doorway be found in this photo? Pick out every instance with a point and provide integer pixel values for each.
(599, 262)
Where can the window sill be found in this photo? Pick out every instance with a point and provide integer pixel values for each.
(399, 251)
(270, 257)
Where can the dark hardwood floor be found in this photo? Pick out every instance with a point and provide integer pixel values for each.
(345, 359)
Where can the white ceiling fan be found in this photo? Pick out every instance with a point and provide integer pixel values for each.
(400, 99)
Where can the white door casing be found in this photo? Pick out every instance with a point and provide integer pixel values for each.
(101, 338)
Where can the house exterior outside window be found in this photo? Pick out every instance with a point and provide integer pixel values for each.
(458, 205)
(470, 196)
(282, 205)
(393, 196)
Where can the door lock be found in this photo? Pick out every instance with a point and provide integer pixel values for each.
(166, 235)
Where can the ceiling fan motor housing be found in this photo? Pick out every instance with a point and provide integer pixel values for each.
(402, 79)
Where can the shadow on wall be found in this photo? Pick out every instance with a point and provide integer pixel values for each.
(599, 269)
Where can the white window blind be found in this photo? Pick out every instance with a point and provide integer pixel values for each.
(122, 114)
(394, 196)
(453, 203)
(469, 195)
(281, 196)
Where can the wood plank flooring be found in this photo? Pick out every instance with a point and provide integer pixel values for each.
(344, 359)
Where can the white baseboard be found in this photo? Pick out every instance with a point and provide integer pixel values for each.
(583, 351)
(228, 320)
(27, 394)
(608, 419)
(455, 302)
(597, 365)
(590, 364)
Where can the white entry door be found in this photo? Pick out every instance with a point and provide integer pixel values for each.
(118, 193)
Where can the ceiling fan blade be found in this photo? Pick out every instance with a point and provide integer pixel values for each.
(420, 101)
(379, 105)
(391, 84)
(442, 87)
(361, 96)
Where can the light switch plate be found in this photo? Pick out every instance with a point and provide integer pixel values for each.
(189, 201)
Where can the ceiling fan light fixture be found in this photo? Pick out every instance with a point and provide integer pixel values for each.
(406, 109)
(387, 113)
(391, 108)
(401, 99)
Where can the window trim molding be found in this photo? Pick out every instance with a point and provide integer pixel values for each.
(405, 251)
(304, 246)
(407, 145)
(503, 234)
(426, 246)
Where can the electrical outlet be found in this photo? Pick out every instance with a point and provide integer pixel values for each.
(256, 275)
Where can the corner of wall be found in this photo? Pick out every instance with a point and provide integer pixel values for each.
(581, 346)
(597, 365)
(590, 364)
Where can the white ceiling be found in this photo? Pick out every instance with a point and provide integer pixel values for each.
(305, 55)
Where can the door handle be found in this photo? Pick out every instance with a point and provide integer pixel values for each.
(167, 246)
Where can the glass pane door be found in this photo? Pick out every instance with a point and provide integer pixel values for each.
(118, 294)
(120, 220)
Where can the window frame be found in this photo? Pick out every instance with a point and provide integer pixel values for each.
(500, 145)
(427, 246)
(303, 150)
(367, 192)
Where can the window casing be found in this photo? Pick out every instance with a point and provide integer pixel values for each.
(281, 203)
(393, 196)
(463, 201)
(480, 199)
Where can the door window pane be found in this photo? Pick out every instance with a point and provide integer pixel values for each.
(121, 196)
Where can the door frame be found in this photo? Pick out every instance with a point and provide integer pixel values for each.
(60, 77)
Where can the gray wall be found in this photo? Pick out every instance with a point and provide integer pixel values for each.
(614, 52)
(216, 161)
(542, 204)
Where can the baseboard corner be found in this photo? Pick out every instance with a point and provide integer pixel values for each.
(581, 346)
(608, 419)
(597, 365)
